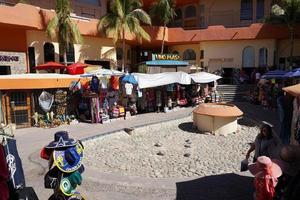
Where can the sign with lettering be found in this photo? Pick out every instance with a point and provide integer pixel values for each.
(16, 61)
(165, 57)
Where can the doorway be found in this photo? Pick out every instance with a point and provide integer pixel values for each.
(5, 70)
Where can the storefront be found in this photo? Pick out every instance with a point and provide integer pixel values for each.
(161, 63)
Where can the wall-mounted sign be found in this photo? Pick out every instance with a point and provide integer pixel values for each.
(165, 57)
(16, 61)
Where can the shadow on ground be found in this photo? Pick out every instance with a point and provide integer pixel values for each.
(246, 121)
(225, 186)
(188, 127)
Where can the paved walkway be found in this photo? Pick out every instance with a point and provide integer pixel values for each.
(98, 185)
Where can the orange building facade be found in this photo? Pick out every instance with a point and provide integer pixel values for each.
(211, 34)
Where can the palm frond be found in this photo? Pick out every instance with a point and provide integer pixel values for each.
(52, 28)
(142, 16)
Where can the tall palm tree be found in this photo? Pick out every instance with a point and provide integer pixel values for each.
(62, 28)
(288, 12)
(165, 11)
(124, 16)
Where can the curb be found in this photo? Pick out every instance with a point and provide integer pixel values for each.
(138, 126)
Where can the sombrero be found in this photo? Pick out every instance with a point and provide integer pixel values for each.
(70, 159)
(259, 168)
(70, 181)
(76, 196)
(61, 140)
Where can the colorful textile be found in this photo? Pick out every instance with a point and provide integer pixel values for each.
(265, 186)
(114, 82)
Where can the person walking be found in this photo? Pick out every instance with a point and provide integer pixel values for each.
(266, 144)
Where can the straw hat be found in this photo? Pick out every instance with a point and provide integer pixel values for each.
(263, 162)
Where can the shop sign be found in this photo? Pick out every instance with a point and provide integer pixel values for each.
(165, 57)
(16, 61)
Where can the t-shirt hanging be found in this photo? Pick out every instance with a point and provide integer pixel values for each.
(128, 87)
(114, 82)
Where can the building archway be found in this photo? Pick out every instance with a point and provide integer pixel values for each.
(263, 57)
(49, 52)
(189, 54)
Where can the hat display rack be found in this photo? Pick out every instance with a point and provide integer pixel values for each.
(64, 156)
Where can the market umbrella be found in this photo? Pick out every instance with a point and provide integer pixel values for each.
(50, 65)
(129, 78)
(294, 90)
(274, 74)
(292, 74)
(101, 72)
(204, 77)
(76, 68)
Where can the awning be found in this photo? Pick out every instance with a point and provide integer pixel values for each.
(204, 77)
(167, 63)
(275, 74)
(160, 79)
(294, 90)
(36, 81)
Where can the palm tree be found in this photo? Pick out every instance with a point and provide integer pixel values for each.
(124, 16)
(288, 12)
(62, 28)
(165, 11)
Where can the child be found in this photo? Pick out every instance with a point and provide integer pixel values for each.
(266, 172)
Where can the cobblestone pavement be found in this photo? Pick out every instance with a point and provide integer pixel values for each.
(100, 185)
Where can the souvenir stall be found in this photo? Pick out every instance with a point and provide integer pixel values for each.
(35, 99)
(97, 100)
(161, 91)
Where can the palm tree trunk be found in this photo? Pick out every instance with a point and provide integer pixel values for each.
(163, 40)
(292, 39)
(123, 49)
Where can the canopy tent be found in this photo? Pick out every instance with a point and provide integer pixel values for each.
(167, 62)
(292, 74)
(129, 78)
(50, 66)
(36, 81)
(204, 77)
(294, 90)
(101, 72)
(160, 79)
(275, 74)
(76, 68)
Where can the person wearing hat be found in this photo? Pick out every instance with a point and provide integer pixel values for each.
(266, 144)
(65, 166)
(266, 173)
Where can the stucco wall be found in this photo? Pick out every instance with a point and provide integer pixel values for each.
(284, 48)
(92, 48)
(227, 53)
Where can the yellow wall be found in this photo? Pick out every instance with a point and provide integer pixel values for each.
(182, 48)
(93, 48)
(219, 54)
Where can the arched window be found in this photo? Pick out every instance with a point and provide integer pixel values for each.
(70, 54)
(190, 11)
(178, 14)
(189, 54)
(119, 53)
(246, 10)
(260, 9)
(48, 52)
(248, 57)
(263, 57)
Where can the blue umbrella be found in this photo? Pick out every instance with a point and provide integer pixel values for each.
(276, 74)
(129, 78)
(293, 73)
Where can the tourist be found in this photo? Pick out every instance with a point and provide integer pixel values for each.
(266, 172)
(266, 144)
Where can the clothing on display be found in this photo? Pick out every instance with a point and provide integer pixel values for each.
(114, 82)
(95, 84)
(128, 88)
(104, 82)
(4, 175)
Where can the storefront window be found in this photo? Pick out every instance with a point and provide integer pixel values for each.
(263, 57)
(260, 9)
(248, 57)
(91, 2)
(246, 10)
(48, 52)
(190, 11)
(189, 54)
